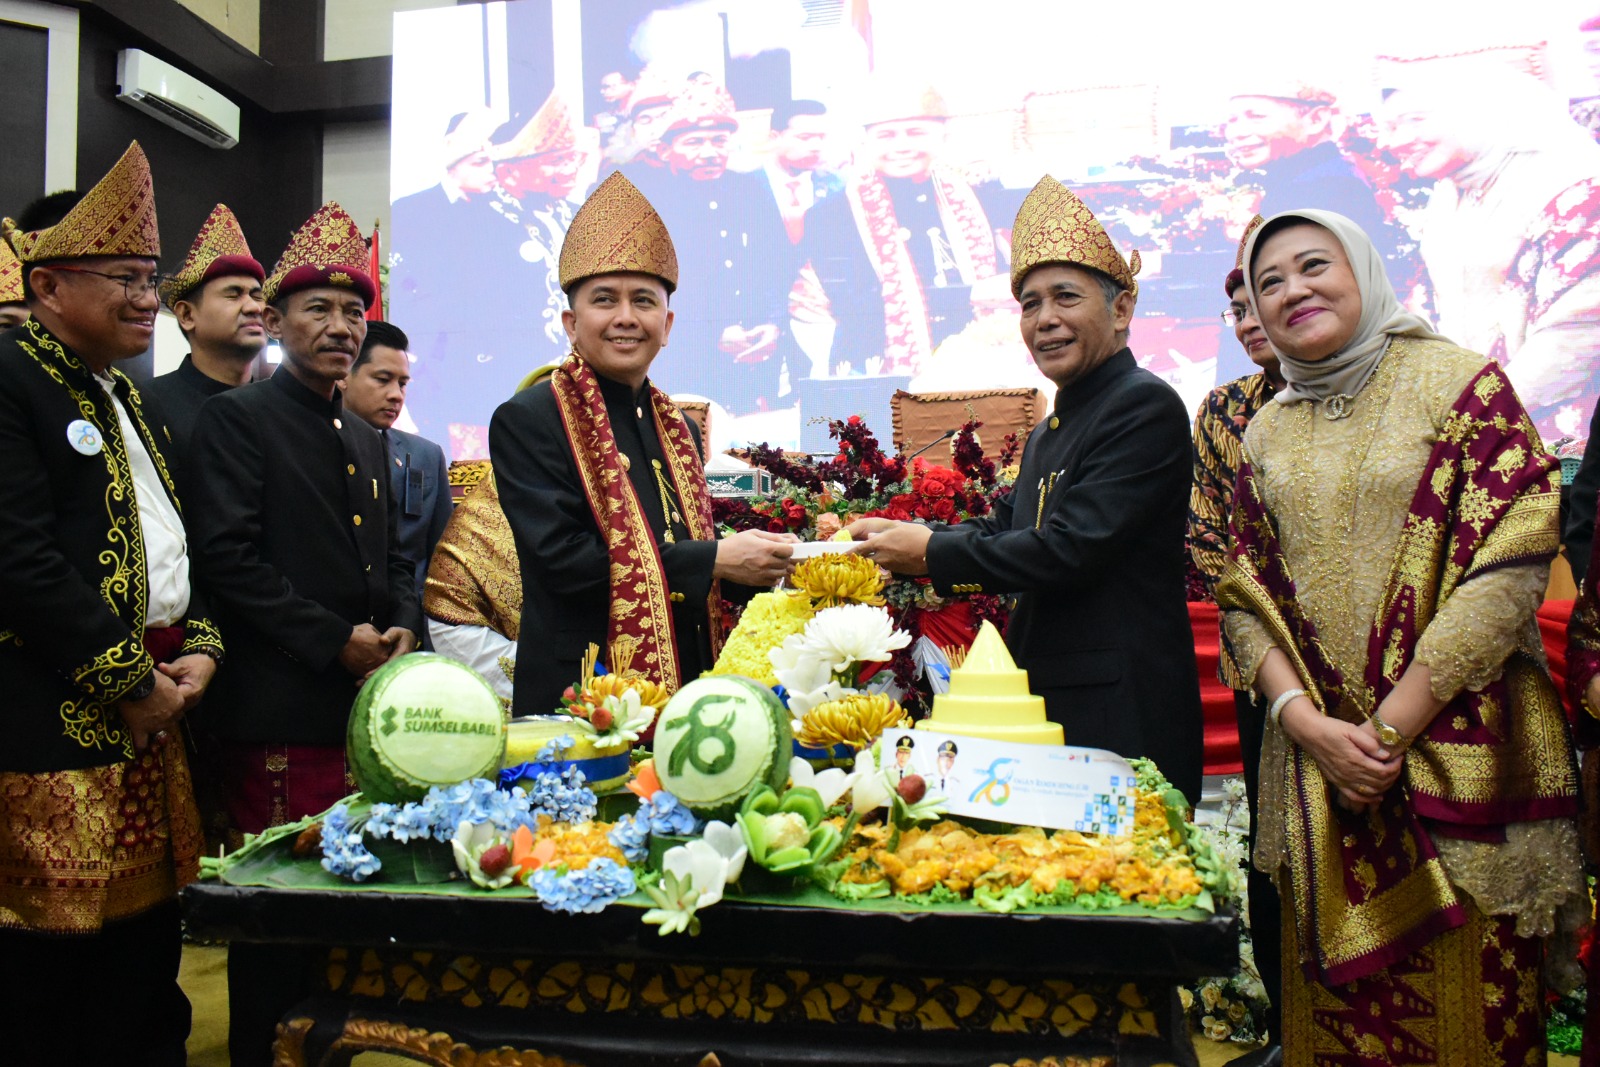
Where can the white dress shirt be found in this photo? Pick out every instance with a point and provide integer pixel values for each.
(166, 551)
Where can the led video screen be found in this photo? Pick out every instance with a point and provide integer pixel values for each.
(840, 178)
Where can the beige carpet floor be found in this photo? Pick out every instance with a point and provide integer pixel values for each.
(205, 979)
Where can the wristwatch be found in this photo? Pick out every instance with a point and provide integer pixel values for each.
(1390, 737)
(142, 688)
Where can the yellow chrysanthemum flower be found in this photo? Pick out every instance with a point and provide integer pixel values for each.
(839, 578)
(651, 694)
(855, 720)
(768, 619)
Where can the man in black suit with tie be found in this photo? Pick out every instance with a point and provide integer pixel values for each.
(419, 483)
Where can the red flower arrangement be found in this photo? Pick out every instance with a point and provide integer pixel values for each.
(812, 498)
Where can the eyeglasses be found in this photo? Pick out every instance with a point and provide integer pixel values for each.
(133, 286)
(1235, 315)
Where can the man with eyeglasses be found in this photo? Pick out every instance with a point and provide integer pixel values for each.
(295, 529)
(1218, 442)
(104, 645)
(216, 297)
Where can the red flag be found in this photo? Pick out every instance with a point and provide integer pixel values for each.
(374, 261)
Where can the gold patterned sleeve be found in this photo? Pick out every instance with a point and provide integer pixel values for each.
(1250, 642)
(1473, 633)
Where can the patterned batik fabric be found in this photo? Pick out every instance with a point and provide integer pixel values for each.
(82, 848)
(1368, 891)
(639, 605)
(1471, 997)
(1218, 448)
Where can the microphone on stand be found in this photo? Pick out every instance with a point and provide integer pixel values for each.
(942, 437)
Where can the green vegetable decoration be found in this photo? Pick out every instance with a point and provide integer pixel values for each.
(718, 738)
(787, 835)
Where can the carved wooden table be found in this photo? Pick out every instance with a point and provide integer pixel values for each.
(457, 981)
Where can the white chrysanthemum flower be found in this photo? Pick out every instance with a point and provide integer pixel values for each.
(850, 634)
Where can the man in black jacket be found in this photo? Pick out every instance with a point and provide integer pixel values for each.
(104, 646)
(296, 533)
(601, 480)
(216, 297)
(1091, 540)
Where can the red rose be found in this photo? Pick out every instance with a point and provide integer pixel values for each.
(944, 510)
(854, 420)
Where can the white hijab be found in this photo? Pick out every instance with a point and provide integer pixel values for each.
(1382, 316)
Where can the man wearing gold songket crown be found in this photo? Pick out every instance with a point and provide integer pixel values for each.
(216, 296)
(601, 476)
(104, 645)
(1091, 541)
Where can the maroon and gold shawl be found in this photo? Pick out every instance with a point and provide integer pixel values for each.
(1370, 890)
(640, 600)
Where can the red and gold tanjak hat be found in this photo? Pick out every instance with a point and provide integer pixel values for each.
(328, 251)
(10, 276)
(617, 230)
(1236, 275)
(1054, 226)
(550, 130)
(219, 251)
(115, 218)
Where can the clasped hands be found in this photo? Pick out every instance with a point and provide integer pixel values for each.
(179, 686)
(367, 649)
(1360, 768)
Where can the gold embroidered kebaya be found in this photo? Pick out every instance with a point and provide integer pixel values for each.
(617, 230)
(115, 218)
(10, 276)
(550, 130)
(219, 250)
(475, 578)
(328, 250)
(1054, 226)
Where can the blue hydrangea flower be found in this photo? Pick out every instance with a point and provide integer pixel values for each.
(344, 853)
(554, 749)
(564, 797)
(667, 815)
(476, 801)
(632, 836)
(587, 891)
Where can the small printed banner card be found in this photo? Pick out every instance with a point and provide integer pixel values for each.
(1058, 786)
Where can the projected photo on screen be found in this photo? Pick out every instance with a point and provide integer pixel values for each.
(840, 178)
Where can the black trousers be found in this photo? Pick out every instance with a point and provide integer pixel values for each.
(1266, 911)
(111, 997)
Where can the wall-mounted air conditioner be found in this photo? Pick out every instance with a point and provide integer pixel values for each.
(166, 93)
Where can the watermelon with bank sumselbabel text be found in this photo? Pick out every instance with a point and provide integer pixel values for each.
(423, 720)
(718, 738)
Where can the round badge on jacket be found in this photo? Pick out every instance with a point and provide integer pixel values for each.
(84, 437)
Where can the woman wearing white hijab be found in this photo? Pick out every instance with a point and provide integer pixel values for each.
(1394, 521)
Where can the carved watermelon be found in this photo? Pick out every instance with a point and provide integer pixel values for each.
(423, 720)
(718, 738)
